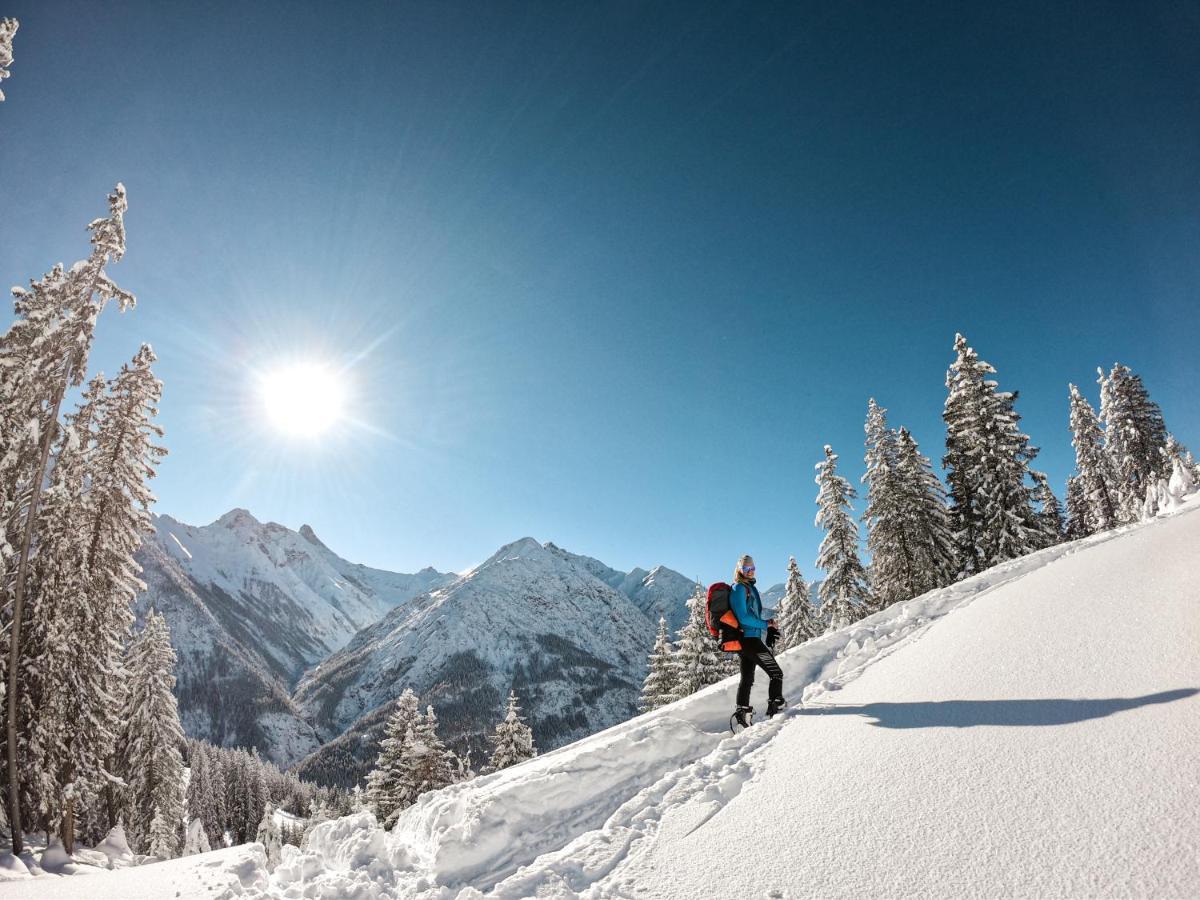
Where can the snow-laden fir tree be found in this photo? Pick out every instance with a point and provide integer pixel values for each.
(796, 617)
(43, 353)
(1134, 437)
(389, 788)
(201, 800)
(1050, 511)
(430, 765)
(1078, 518)
(1095, 476)
(844, 591)
(269, 836)
(512, 741)
(1182, 480)
(8, 28)
(85, 578)
(659, 688)
(63, 742)
(987, 461)
(908, 531)
(164, 835)
(698, 660)
(196, 840)
(930, 534)
(152, 766)
(892, 564)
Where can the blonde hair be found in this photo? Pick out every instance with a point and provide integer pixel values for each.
(738, 575)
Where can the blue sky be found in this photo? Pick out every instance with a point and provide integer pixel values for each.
(608, 274)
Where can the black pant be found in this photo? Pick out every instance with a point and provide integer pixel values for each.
(755, 653)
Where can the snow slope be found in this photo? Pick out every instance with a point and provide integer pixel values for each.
(1032, 731)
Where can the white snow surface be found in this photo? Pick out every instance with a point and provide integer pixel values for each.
(1033, 731)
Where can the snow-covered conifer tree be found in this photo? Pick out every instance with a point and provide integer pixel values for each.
(1095, 476)
(844, 590)
(196, 840)
(1050, 512)
(201, 803)
(431, 765)
(60, 739)
(512, 741)
(268, 835)
(1078, 521)
(987, 461)
(152, 765)
(42, 354)
(698, 659)
(895, 574)
(8, 28)
(1134, 436)
(796, 617)
(930, 535)
(163, 835)
(660, 685)
(389, 788)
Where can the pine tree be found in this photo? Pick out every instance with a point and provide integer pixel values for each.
(163, 835)
(43, 353)
(196, 840)
(987, 461)
(844, 591)
(896, 571)
(1179, 458)
(698, 659)
(1134, 436)
(60, 736)
(1096, 480)
(8, 28)
(659, 688)
(152, 764)
(1050, 512)
(930, 534)
(798, 620)
(201, 805)
(268, 835)
(1078, 522)
(512, 741)
(388, 786)
(431, 765)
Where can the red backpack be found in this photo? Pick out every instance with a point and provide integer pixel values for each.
(718, 616)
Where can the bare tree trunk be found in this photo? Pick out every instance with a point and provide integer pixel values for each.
(14, 652)
(67, 828)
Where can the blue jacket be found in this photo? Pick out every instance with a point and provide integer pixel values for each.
(747, 606)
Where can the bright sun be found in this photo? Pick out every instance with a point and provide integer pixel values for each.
(303, 400)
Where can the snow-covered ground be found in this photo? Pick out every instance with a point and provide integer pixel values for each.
(1033, 731)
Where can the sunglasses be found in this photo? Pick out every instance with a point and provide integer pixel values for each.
(747, 569)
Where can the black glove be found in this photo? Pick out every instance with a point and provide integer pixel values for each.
(772, 636)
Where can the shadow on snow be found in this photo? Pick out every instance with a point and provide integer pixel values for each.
(967, 713)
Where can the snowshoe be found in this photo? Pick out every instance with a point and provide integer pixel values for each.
(742, 719)
(775, 706)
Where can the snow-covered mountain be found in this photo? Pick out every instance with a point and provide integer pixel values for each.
(657, 592)
(532, 618)
(251, 606)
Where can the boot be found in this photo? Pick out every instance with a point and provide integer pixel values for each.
(743, 717)
(775, 706)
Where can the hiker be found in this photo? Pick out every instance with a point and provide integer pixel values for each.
(758, 636)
